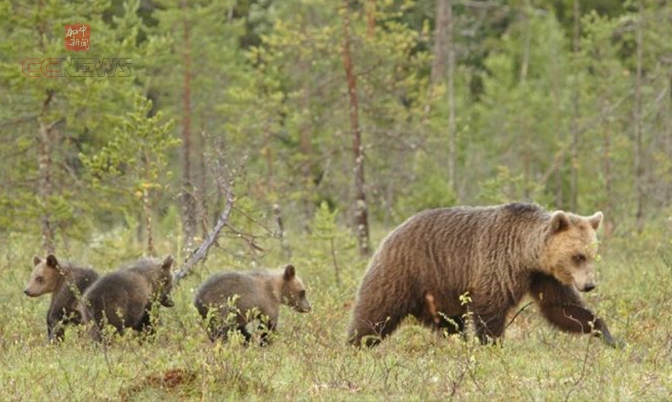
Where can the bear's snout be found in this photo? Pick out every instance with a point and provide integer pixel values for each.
(27, 292)
(588, 287)
(304, 307)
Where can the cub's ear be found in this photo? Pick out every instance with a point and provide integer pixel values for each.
(596, 220)
(290, 272)
(167, 263)
(559, 221)
(36, 260)
(52, 261)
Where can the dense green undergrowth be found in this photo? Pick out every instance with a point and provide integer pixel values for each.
(308, 358)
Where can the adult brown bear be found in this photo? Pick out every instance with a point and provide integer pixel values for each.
(495, 255)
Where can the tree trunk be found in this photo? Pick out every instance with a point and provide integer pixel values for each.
(524, 124)
(44, 166)
(361, 209)
(147, 209)
(268, 154)
(284, 244)
(306, 144)
(557, 171)
(639, 165)
(668, 141)
(452, 132)
(370, 17)
(443, 67)
(202, 202)
(574, 147)
(608, 208)
(187, 196)
(439, 51)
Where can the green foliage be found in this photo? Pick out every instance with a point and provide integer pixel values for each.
(134, 162)
(308, 358)
(326, 232)
(265, 86)
(506, 187)
(81, 110)
(429, 189)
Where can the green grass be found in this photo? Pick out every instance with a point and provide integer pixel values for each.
(308, 359)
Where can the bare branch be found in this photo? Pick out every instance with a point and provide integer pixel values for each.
(201, 253)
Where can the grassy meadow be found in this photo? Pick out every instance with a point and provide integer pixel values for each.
(308, 358)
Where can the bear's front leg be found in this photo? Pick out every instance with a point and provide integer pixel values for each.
(489, 318)
(489, 326)
(145, 324)
(55, 330)
(562, 306)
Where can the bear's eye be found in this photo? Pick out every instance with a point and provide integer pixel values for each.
(302, 294)
(579, 258)
(39, 279)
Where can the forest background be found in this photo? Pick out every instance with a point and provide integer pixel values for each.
(310, 128)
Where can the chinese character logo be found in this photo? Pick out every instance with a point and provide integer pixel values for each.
(77, 37)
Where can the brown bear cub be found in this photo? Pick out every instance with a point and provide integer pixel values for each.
(124, 298)
(234, 299)
(66, 283)
(495, 256)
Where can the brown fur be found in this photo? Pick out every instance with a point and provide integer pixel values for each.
(495, 255)
(66, 282)
(260, 291)
(124, 298)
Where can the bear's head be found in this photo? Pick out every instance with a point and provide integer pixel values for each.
(166, 282)
(45, 276)
(571, 248)
(293, 291)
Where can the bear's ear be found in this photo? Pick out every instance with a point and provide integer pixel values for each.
(596, 220)
(52, 261)
(559, 221)
(167, 263)
(290, 272)
(36, 260)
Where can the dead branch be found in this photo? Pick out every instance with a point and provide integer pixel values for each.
(201, 253)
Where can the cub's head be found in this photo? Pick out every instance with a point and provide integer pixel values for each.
(44, 278)
(165, 281)
(571, 248)
(293, 291)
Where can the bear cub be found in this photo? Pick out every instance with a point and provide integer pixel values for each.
(66, 282)
(124, 298)
(234, 299)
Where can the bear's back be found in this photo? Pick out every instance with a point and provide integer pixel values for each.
(83, 278)
(250, 288)
(443, 248)
(460, 227)
(119, 287)
(78, 280)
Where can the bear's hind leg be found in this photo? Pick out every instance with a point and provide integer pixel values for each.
(371, 332)
(145, 324)
(452, 325)
(489, 327)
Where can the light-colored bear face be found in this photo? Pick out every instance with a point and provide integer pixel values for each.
(44, 278)
(293, 291)
(571, 249)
